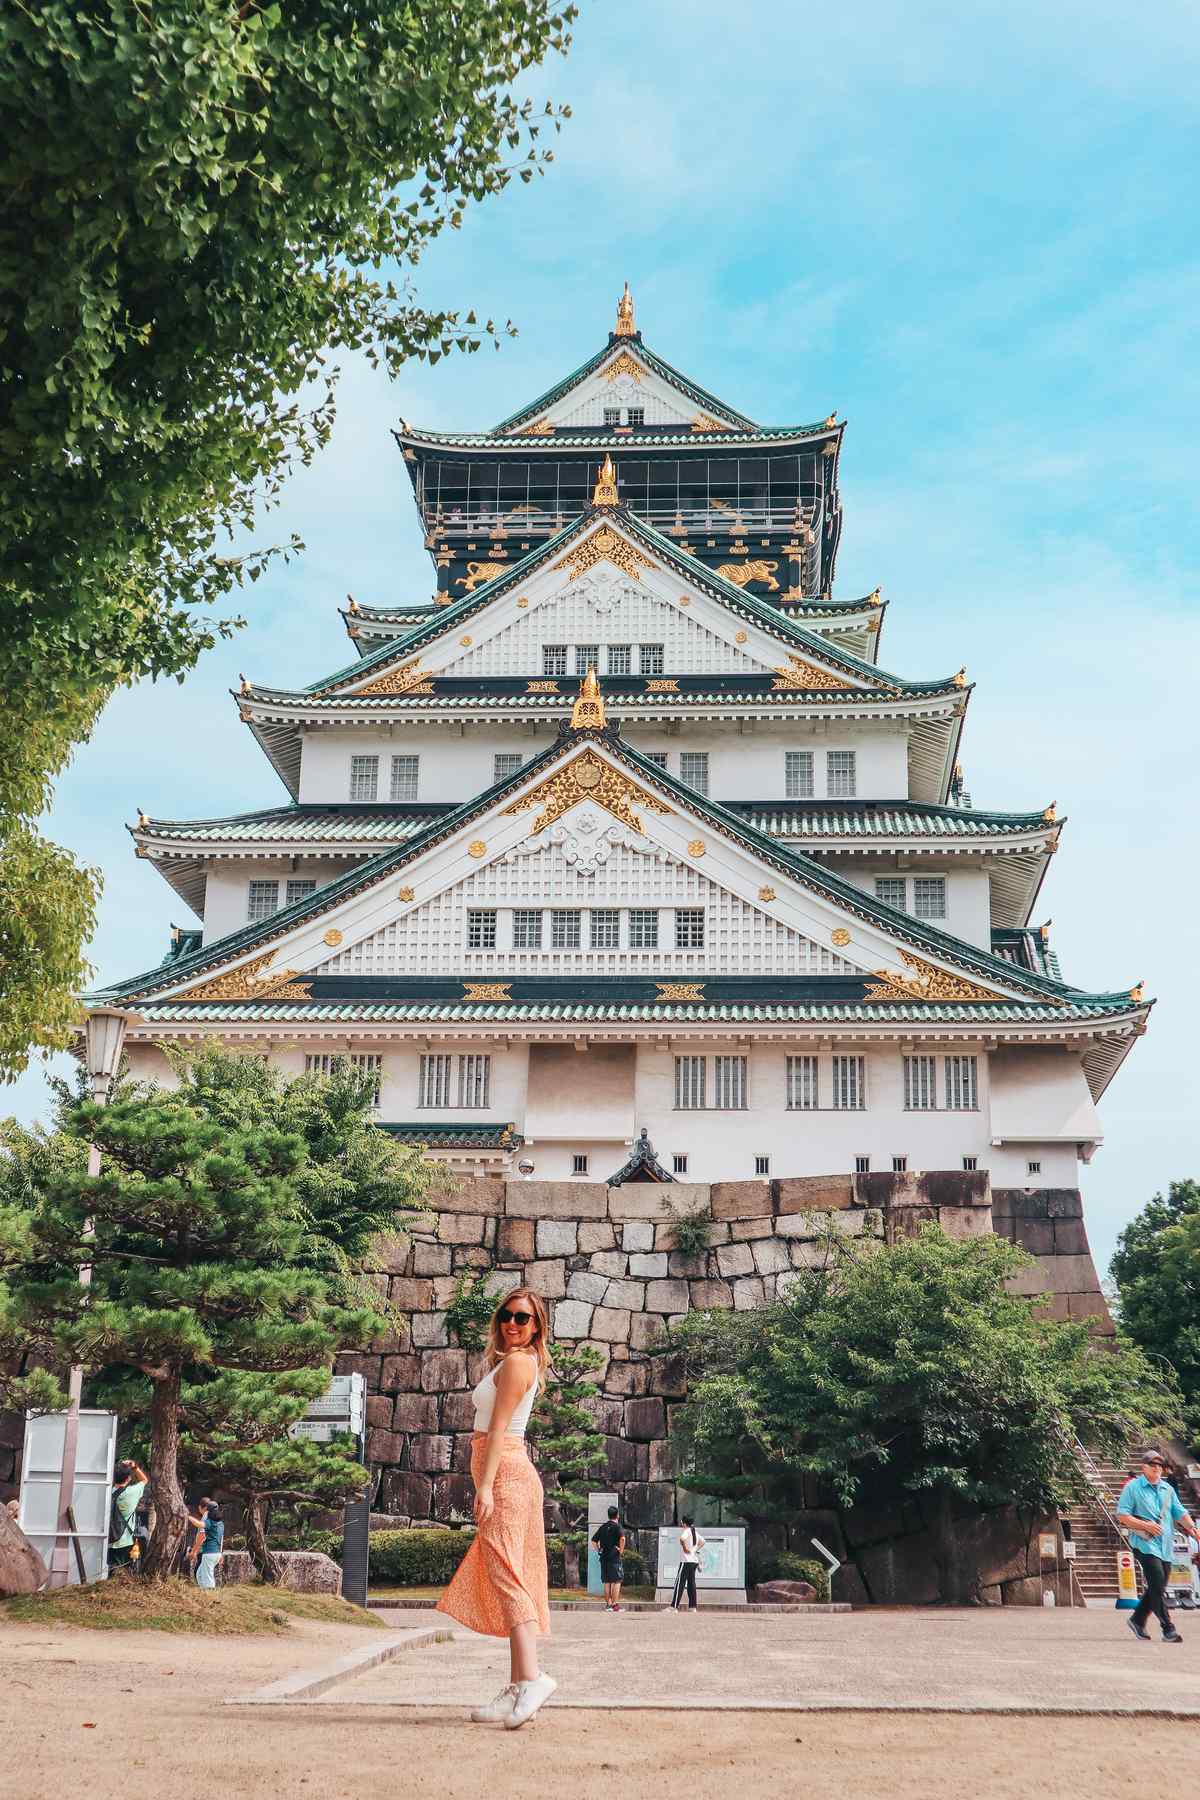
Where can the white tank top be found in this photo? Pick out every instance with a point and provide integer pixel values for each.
(484, 1397)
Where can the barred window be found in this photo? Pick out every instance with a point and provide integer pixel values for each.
(527, 930)
(505, 763)
(319, 1063)
(298, 890)
(612, 415)
(657, 757)
(635, 415)
(849, 1083)
(404, 777)
(263, 900)
(434, 1089)
(650, 659)
(679, 1163)
(929, 896)
(689, 1083)
(689, 928)
(802, 1092)
(729, 1083)
(579, 1163)
(474, 1080)
(1033, 1168)
(762, 1165)
(605, 928)
(962, 1083)
(620, 659)
(364, 778)
(481, 929)
(564, 929)
(693, 768)
(862, 1165)
(643, 928)
(798, 774)
(899, 1165)
(892, 890)
(370, 1062)
(587, 656)
(841, 780)
(920, 1084)
(554, 659)
(970, 1163)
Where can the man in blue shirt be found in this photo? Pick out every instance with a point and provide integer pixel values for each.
(1150, 1509)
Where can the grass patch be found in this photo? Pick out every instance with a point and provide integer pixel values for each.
(130, 1603)
(381, 1592)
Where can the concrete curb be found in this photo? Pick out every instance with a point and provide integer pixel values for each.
(307, 1685)
(645, 1606)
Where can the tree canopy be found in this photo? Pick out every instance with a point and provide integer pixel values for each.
(1156, 1267)
(196, 201)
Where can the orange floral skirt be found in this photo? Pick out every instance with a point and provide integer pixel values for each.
(502, 1581)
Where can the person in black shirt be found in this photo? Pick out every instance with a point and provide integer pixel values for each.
(609, 1540)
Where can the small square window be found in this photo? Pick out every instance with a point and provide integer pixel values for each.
(605, 928)
(481, 929)
(579, 1163)
(899, 1165)
(298, 890)
(892, 890)
(970, 1163)
(689, 928)
(505, 763)
(1033, 1168)
(587, 656)
(650, 659)
(474, 1080)
(693, 768)
(564, 929)
(679, 1163)
(554, 659)
(798, 774)
(643, 928)
(929, 896)
(762, 1165)
(657, 757)
(862, 1165)
(635, 415)
(263, 900)
(527, 930)
(612, 415)
(405, 771)
(620, 659)
(841, 778)
(364, 778)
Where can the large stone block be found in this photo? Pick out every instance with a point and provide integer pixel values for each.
(621, 1458)
(741, 1199)
(379, 1411)
(471, 1256)
(431, 1259)
(745, 1231)
(403, 1492)
(458, 1412)
(443, 1370)
(597, 1374)
(583, 1285)
(350, 1362)
(460, 1454)
(637, 1235)
(608, 1415)
(1038, 1278)
(770, 1256)
(693, 1268)
(460, 1228)
(805, 1225)
(1070, 1238)
(708, 1294)
(612, 1263)
(735, 1259)
(610, 1324)
(453, 1497)
(645, 1419)
(649, 1503)
(1090, 1306)
(648, 1265)
(22, 1570)
(667, 1296)
(572, 1319)
(409, 1294)
(414, 1412)
(515, 1240)
(556, 1200)
(630, 1379)
(1072, 1275)
(645, 1331)
(385, 1446)
(557, 1237)
(429, 1453)
(392, 1254)
(816, 1255)
(1064, 1203)
(1054, 1306)
(965, 1221)
(668, 1376)
(648, 1200)
(547, 1278)
(503, 1281)
(596, 1235)
(629, 1294)
(481, 1195)
(400, 1373)
(429, 1330)
(814, 1193)
(748, 1292)
(661, 1461)
(444, 1289)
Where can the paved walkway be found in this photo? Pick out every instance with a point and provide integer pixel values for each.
(1018, 1659)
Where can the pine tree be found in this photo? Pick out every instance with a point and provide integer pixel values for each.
(569, 1446)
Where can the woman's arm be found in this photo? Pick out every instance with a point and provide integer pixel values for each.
(514, 1377)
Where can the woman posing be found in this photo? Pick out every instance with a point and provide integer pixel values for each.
(501, 1586)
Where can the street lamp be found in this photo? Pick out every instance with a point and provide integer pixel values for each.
(104, 1039)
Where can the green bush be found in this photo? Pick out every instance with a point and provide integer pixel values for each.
(429, 1558)
(767, 1564)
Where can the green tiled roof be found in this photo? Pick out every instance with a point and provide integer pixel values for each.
(892, 1012)
(646, 437)
(437, 1134)
(878, 819)
(708, 402)
(350, 823)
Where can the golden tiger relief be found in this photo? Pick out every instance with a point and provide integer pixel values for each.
(478, 573)
(742, 573)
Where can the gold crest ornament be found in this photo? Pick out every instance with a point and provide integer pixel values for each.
(589, 777)
(398, 681)
(840, 937)
(625, 326)
(250, 982)
(477, 849)
(333, 937)
(587, 714)
(697, 847)
(486, 990)
(925, 983)
(406, 893)
(767, 894)
(605, 545)
(681, 990)
(623, 365)
(605, 491)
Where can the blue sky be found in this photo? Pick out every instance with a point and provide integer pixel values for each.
(969, 229)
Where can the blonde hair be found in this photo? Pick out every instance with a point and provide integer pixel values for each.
(539, 1344)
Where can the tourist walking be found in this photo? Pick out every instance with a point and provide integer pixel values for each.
(1150, 1509)
(501, 1587)
(207, 1544)
(127, 1497)
(690, 1546)
(609, 1540)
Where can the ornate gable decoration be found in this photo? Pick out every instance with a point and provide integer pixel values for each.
(623, 365)
(925, 983)
(605, 545)
(249, 983)
(705, 422)
(588, 777)
(407, 679)
(796, 673)
(539, 428)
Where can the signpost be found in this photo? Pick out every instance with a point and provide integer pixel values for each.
(86, 1508)
(342, 1408)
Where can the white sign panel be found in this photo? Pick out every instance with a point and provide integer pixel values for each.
(722, 1561)
(41, 1469)
(342, 1407)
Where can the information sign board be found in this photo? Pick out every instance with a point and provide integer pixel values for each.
(91, 1501)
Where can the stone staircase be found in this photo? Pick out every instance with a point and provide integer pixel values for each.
(1097, 1538)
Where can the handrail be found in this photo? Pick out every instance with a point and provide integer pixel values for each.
(1096, 1495)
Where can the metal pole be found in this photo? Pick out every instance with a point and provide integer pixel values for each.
(60, 1561)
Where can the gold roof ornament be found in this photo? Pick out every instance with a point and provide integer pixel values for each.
(1044, 931)
(246, 687)
(143, 821)
(605, 491)
(625, 326)
(960, 680)
(587, 714)
(1138, 992)
(1051, 812)
(354, 607)
(831, 421)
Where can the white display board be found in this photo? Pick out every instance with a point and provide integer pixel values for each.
(341, 1408)
(722, 1561)
(41, 1468)
(598, 1505)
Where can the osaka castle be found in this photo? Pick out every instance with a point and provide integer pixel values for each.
(622, 850)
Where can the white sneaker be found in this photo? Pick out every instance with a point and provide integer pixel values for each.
(530, 1695)
(496, 1709)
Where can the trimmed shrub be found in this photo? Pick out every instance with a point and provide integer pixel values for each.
(429, 1558)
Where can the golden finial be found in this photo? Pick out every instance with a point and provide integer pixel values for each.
(960, 680)
(355, 608)
(1044, 931)
(1138, 992)
(246, 687)
(831, 421)
(874, 595)
(1051, 812)
(958, 774)
(605, 492)
(625, 325)
(143, 821)
(587, 714)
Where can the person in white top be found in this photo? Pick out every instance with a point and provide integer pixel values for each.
(690, 1546)
(501, 1587)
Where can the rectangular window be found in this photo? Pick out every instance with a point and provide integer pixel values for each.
(263, 900)
(481, 929)
(899, 1165)
(605, 928)
(849, 1083)
(527, 930)
(1033, 1168)
(364, 778)
(798, 774)
(554, 659)
(693, 768)
(298, 890)
(474, 1080)
(319, 1064)
(689, 928)
(643, 928)
(891, 889)
(370, 1062)
(962, 1083)
(970, 1163)
(920, 1088)
(929, 896)
(802, 1084)
(579, 1163)
(620, 659)
(657, 757)
(612, 415)
(404, 777)
(505, 763)
(650, 659)
(679, 1163)
(564, 929)
(689, 1083)
(435, 1081)
(841, 780)
(729, 1083)
(587, 656)
(862, 1165)
(635, 415)
(762, 1165)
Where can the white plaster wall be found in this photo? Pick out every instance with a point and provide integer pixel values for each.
(1041, 1094)
(400, 1087)
(455, 764)
(227, 895)
(968, 892)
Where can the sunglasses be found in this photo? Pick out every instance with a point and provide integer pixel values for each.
(513, 1318)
